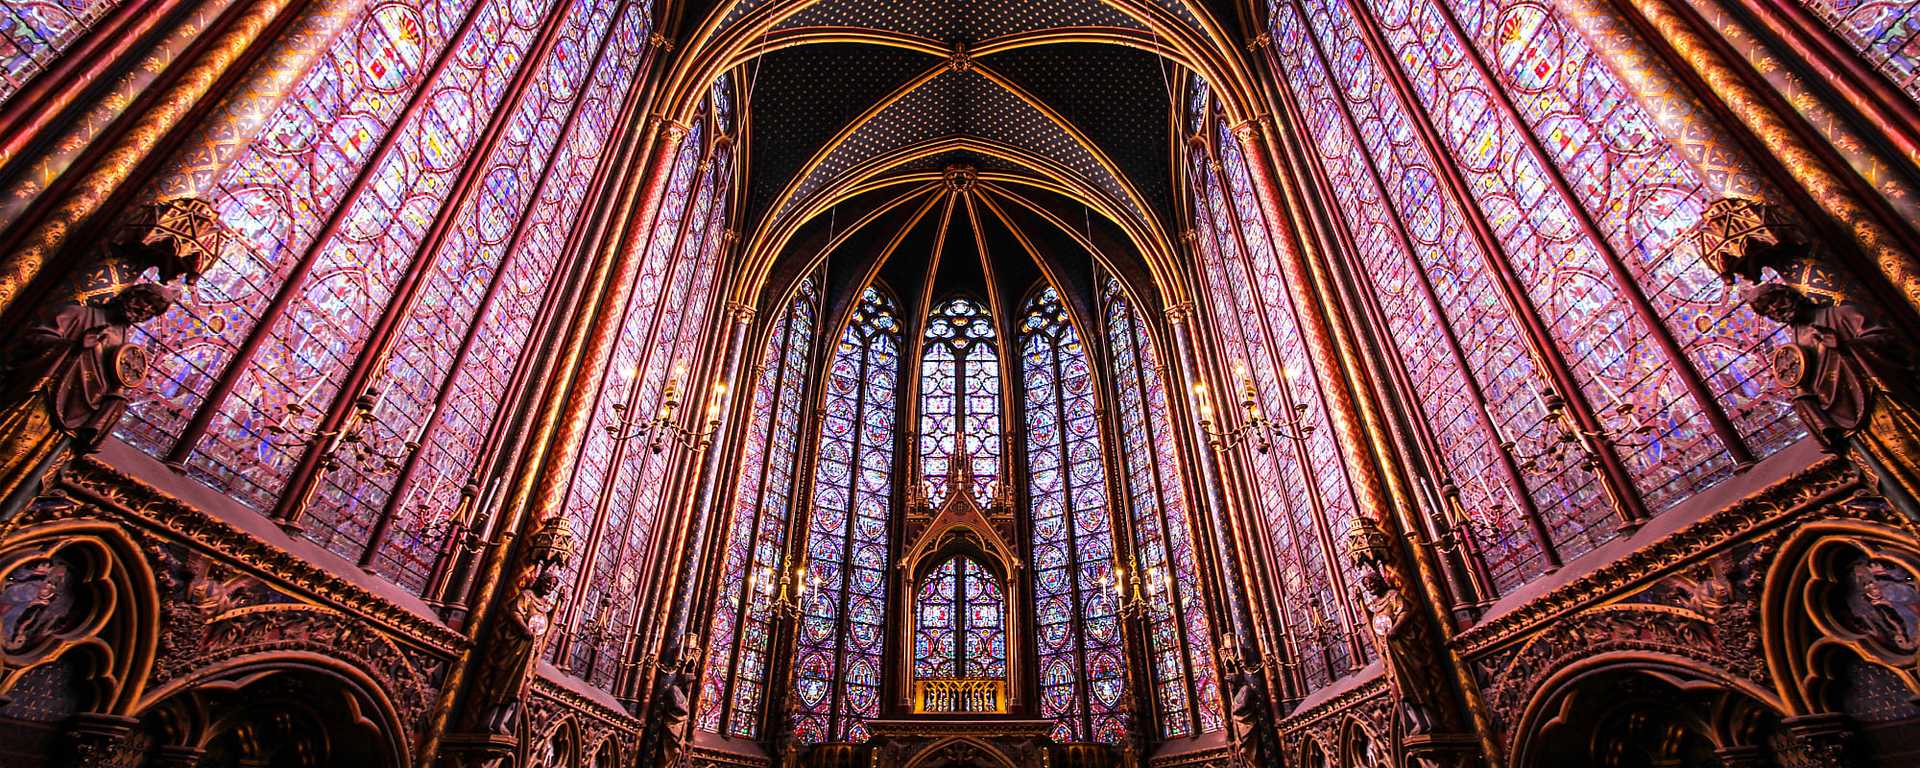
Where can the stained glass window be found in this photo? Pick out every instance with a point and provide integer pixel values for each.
(836, 679)
(1083, 667)
(620, 482)
(960, 625)
(359, 257)
(34, 32)
(1185, 682)
(735, 681)
(1567, 189)
(1886, 31)
(959, 395)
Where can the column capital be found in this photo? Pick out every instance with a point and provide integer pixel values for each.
(673, 131)
(1180, 312)
(740, 312)
(1249, 129)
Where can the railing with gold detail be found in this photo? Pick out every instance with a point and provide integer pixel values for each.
(951, 696)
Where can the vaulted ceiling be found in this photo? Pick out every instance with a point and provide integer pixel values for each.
(1054, 99)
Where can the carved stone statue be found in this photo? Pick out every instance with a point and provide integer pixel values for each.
(1249, 712)
(1401, 633)
(519, 636)
(1854, 383)
(66, 383)
(508, 667)
(674, 697)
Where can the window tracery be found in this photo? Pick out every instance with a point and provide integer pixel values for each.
(358, 261)
(755, 573)
(1083, 667)
(1185, 682)
(959, 396)
(836, 668)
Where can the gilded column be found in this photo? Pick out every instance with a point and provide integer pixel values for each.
(117, 163)
(66, 138)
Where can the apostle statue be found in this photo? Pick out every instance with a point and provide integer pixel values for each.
(519, 636)
(1401, 633)
(1854, 384)
(673, 694)
(1249, 712)
(65, 384)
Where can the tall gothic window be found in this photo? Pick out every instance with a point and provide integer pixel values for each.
(960, 625)
(735, 681)
(1300, 486)
(368, 291)
(836, 677)
(1185, 685)
(620, 483)
(1083, 668)
(1538, 244)
(959, 395)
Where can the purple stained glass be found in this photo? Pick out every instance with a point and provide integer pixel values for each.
(1584, 257)
(278, 194)
(959, 628)
(620, 485)
(35, 32)
(462, 274)
(358, 260)
(959, 395)
(1887, 32)
(1082, 661)
(836, 680)
(1179, 631)
(735, 677)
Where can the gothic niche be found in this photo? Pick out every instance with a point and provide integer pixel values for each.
(959, 578)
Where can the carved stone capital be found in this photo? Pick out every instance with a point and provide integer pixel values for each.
(740, 312)
(477, 751)
(1820, 741)
(1248, 130)
(102, 741)
(179, 236)
(673, 131)
(1737, 237)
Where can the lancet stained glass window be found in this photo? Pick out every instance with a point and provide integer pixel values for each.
(664, 317)
(1179, 632)
(836, 678)
(348, 221)
(959, 395)
(1570, 190)
(735, 682)
(960, 626)
(1083, 667)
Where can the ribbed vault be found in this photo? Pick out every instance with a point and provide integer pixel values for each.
(842, 98)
